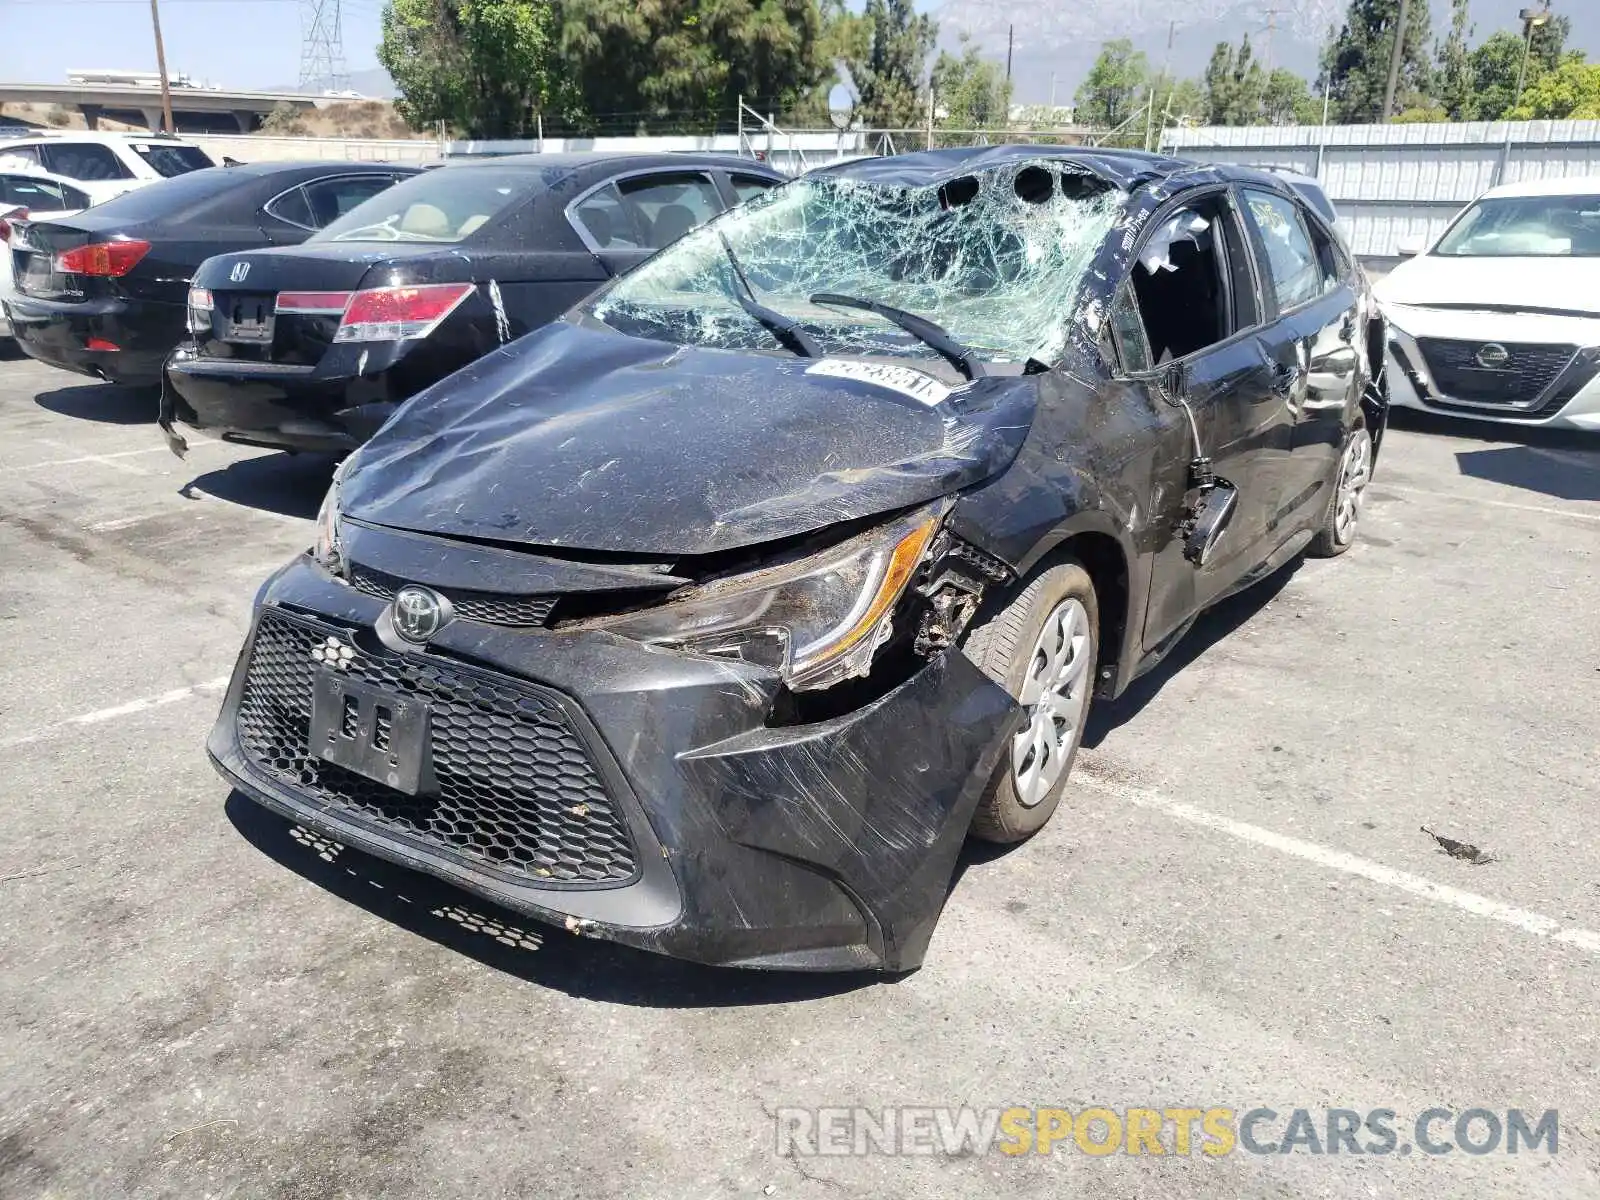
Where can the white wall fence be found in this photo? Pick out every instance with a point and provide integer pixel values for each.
(1391, 182)
(785, 151)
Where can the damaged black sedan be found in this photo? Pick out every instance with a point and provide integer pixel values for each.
(712, 617)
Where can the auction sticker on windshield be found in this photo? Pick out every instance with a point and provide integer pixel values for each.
(905, 380)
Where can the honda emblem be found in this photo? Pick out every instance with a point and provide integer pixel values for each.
(240, 270)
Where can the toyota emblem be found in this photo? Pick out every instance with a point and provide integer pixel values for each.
(240, 270)
(1493, 356)
(418, 613)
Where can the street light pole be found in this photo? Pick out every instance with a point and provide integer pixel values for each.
(1532, 18)
(161, 65)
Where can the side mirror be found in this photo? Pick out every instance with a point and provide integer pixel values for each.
(1209, 517)
(1409, 247)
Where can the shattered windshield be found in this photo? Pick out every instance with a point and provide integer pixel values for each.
(994, 258)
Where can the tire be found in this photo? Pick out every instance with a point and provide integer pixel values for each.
(1341, 521)
(1011, 647)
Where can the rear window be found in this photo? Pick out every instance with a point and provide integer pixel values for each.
(40, 195)
(170, 197)
(446, 205)
(171, 160)
(84, 160)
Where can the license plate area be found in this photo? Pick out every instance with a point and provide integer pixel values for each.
(246, 317)
(376, 733)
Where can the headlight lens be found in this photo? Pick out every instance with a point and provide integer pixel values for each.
(326, 549)
(819, 619)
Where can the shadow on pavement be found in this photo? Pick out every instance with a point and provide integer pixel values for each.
(1564, 476)
(104, 402)
(1209, 628)
(519, 946)
(290, 484)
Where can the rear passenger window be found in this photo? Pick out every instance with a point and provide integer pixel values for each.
(665, 207)
(330, 199)
(747, 187)
(84, 160)
(19, 156)
(293, 207)
(1297, 275)
(39, 195)
(607, 222)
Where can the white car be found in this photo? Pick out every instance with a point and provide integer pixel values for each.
(1500, 319)
(102, 164)
(27, 195)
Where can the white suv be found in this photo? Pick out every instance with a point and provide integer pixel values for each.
(103, 164)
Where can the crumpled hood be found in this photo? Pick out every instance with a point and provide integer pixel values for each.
(1515, 283)
(591, 440)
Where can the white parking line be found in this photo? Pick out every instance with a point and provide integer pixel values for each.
(119, 710)
(105, 460)
(1337, 860)
(1384, 485)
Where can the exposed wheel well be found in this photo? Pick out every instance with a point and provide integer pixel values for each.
(1102, 557)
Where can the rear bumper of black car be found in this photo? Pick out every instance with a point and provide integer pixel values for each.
(119, 341)
(286, 406)
(631, 794)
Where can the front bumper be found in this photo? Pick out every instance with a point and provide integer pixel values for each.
(825, 847)
(59, 332)
(1564, 393)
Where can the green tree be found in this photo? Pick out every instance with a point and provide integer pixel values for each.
(1496, 63)
(1235, 85)
(1453, 82)
(1115, 89)
(970, 91)
(885, 56)
(1571, 91)
(486, 68)
(1284, 98)
(684, 63)
(1356, 60)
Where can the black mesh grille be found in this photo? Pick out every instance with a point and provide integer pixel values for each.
(1530, 368)
(488, 607)
(517, 791)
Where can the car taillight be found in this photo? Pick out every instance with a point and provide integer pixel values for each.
(109, 260)
(396, 314)
(199, 310)
(15, 214)
(330, 304)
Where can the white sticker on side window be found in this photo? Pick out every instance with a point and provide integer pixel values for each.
(905, 380)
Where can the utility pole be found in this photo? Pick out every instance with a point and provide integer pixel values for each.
(1394, 62)
(161, 65)
(1011, 41)
(1150, 116)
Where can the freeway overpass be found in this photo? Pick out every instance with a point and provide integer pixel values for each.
(194, 110)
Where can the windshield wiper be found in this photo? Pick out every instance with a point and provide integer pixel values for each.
(786, 329)
(925, 331)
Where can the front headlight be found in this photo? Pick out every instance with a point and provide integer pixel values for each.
(818, 619)
(325, 549)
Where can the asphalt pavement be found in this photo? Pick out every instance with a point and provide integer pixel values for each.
(1235, 908)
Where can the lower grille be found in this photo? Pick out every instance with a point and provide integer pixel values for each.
(517, 794)
(1530, 368)
(488, 607)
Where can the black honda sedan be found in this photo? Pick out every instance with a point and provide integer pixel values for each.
(105, 292)
(713, 616)
(311, 348)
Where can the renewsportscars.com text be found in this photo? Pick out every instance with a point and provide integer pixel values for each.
(1179, 1131)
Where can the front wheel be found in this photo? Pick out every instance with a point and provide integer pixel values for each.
(1040, 647)
(1338, 530)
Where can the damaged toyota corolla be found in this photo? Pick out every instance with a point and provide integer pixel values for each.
(711, 618)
